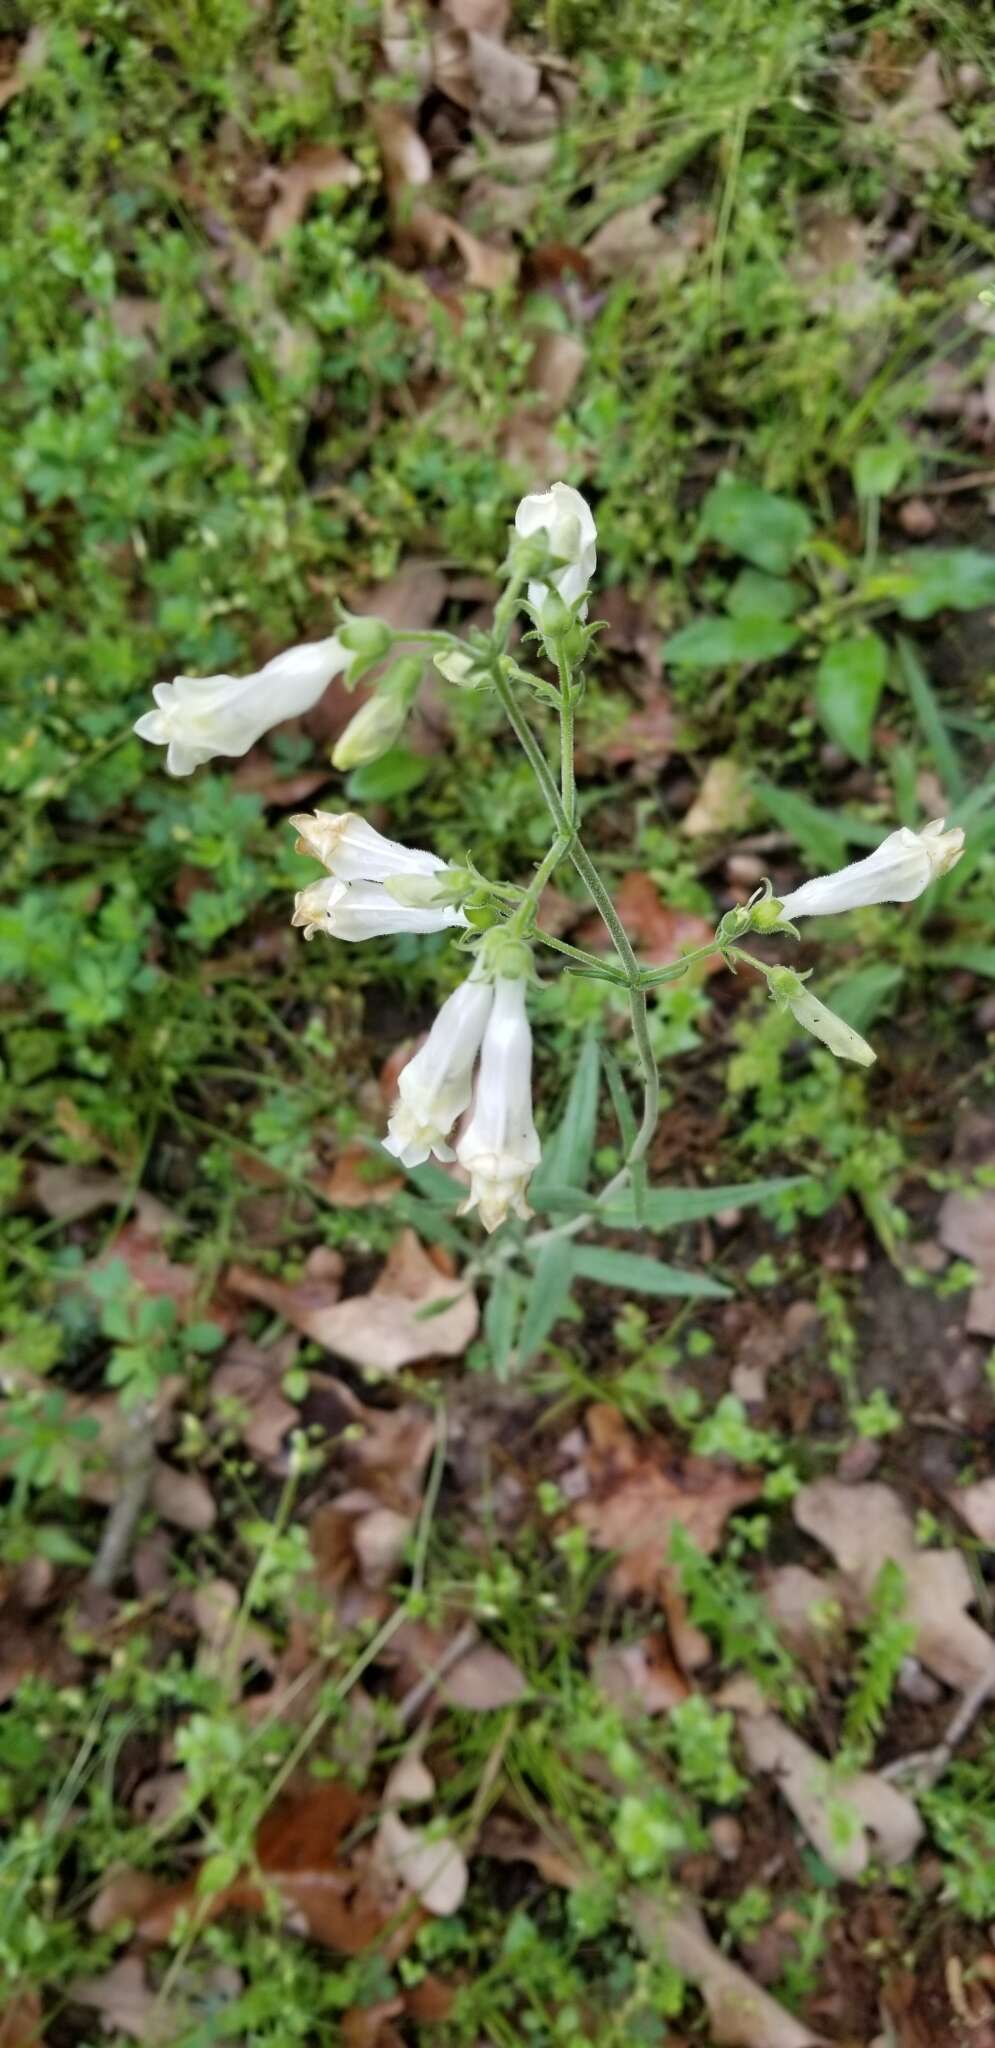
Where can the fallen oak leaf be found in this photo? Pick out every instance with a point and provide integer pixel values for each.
(638, 1491)
(359, 1178)
(68, 1193)
(297, 1843)
(977, 1505)
(412, 1311)
(742, 2016)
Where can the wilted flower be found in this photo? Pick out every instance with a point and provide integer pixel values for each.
(435, 1086)
(499, 1147)
(790, 993)
(568, 523)
(897, 871)
(351, 902)
(197, 717)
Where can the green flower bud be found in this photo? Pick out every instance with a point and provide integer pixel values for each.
(379, 723)
(366, 636)
(767, 914)
(459, 666)
(427, 892)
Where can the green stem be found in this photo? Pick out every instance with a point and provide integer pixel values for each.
(609, 915)
(568, 788)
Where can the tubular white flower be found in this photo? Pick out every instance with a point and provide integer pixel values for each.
(897, 871)
(353, 851)
(567, 520)
(499, 1147)
(197, 717)
(364, 910)
(436, 1085)
(790, 993)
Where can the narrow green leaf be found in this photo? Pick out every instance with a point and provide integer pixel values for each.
(725, 643)
(620, 1099)
(862, 996)
(977, 959)
(554, 1200)
(567, 1154)
(766, 530)
(548, 1295)
(946, 579)
(666, 1208)
(848, 685)
(642, 1275)
(930, 718)
(437, 1187)
(819, 833)
(501, 1312)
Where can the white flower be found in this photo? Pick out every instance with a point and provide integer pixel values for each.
(364, 910)
(790, 993)
(353, 851)
(436, 1085)
(899, 869)
(197, 717)
(352, 902)
(499, 1147)
(568, 522)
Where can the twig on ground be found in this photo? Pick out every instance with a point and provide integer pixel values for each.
(136, 1465)
(925, 1766)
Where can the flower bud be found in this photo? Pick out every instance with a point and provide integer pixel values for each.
(459, 666)
(766, 915)
(790, 993)
(379, 723)
(366, 636)
(426, 892)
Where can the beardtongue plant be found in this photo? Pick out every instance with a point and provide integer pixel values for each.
(476, 1062)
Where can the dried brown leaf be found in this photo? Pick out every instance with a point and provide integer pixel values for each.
(68, 1193)
(508, 86)
(831, 264)
(386, 1329)
(646, 739)
(406, 161)
(481, 1680)
(967, 1227)
(317, 167)
(297, 1848)
(30, 60)
(639, 1675)
(486, 17)
(977, 1505)
(360, 1177)
(866, 1526)
(722, 802)
(634, 243)
(888, 1827)
(557, 364)
(742, 2016)
(21, 2019)
(124, 1895)
(510, 1841)
(306, 1303)
(433, 1869)
(126, 2002)
(247, 1385)
(639, 1490)
(183, 1498)
(660, 934)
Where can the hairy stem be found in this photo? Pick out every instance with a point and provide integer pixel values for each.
(609, 915)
